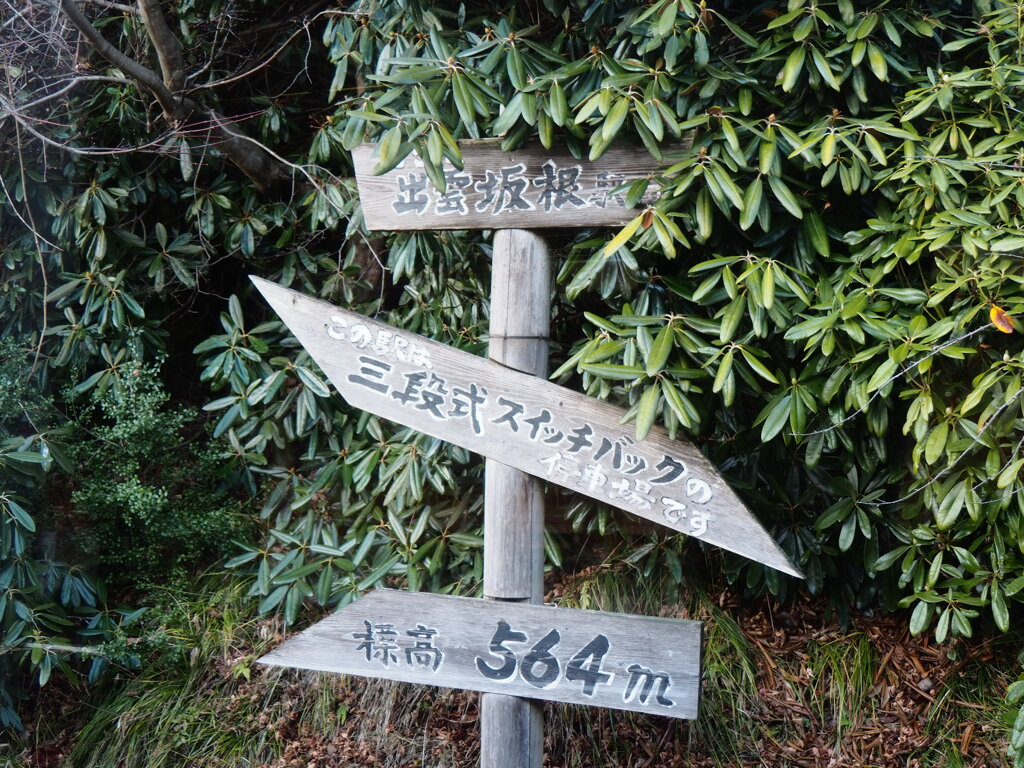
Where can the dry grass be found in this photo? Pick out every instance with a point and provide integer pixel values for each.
(782, 689)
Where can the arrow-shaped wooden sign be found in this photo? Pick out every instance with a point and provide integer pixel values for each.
(528, 423)
(611, 660)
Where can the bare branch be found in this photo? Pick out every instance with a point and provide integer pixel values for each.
(168, 47)
(50, 96)
(253, 70)
(263, 167)
(135, 70)
(114, 6)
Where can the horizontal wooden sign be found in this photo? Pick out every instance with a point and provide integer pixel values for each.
(526, 188)
(524, 422)
(557, 654)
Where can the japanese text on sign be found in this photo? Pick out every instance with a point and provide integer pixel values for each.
(539, 665)
(507, 188)
(572, 454)
(381, 642)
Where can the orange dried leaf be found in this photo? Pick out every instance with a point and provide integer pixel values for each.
(648, 219)
(1000, 319)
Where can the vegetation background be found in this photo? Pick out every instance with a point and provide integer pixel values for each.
(823, 298)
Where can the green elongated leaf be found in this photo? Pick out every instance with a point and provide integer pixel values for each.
(731, 319)
(920, 618)
(792, 68)
(956, 45)
(545, 130)
(724, 372)
(785, 196)
(23, 518)
(757, 366)
(273, 600)
(647, 409)
(1015, 692)
(557, 104)
(1009, 473)
(666, 20)
(766, 152)
(616, 117)
(804, 28)
(587, 107)
(612, 371)
(644, 341)
(860, 48)
(816, 233)
(668, 245)
(776, 419)
(822, 65)
(516, 69)
(701, 54)
(623, 236)
(243, 558)
(950, 507)
(388, 149)
(942, 626)
(586, 274)
(227, 420)
(463, 102)
(705, 214)
(887, 560)
(908, 295)
(312, 382)
(875, 148)
(221, 403)
(922, 106)
(876, 60)
(768, 286)
(847, 533)
(883, 373)
(680, 405)
(660, 350)
(721, 175)
(1000, 612)
(604, 324)
(828, 149)
(324, 582)
(751, 203)
(650, 119)
(1006, 244)
(1017, 734)
(745, 100)
(379, 572)
(936, 444)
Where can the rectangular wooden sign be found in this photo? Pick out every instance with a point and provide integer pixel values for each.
(524, 422)
(610, 660)
(526, 188)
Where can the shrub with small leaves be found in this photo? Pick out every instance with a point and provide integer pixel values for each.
(146, 497)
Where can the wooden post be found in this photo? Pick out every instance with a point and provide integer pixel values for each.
(512, 729)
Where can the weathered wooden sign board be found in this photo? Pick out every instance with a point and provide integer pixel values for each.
(610, 660)
(529, 187)
(524, 422)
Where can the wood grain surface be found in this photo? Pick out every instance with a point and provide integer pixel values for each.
(612, 660)
(526, 188)
(534, 425)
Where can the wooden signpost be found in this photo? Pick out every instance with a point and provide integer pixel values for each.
(524, 422)
(530, 430)
(524, 188)
(559, 654)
